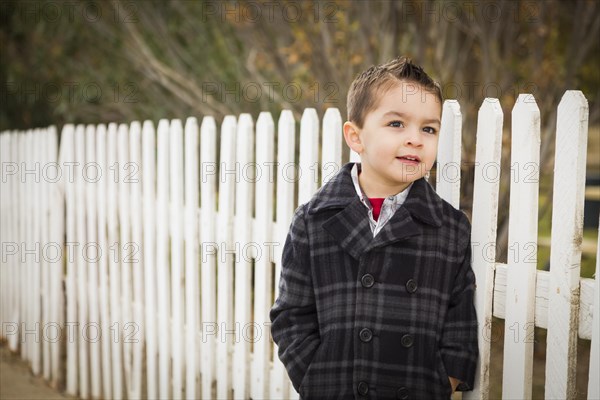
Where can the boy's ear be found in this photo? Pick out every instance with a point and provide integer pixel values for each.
(352, 136)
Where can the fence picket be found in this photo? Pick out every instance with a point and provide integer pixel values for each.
(28, 344)
(177, 302)
(123, 251)
(565, 249)
(522, 244)
(263, 259)
(208, 319)
(44, 263)
(331, 150)
(594, 372)
(162, 259)
(483, 234)
(286, 185)
(91, 174)
(8, 236)
(149, 200)
(449, 154)
(17, 269)
(224, 243)
(134, 179)
(4, 235)
(244, 195)
(24, 269)
(191, 252)
(309, 155)
(67, 155)
(101, 138)
(114, 269)
(82, 265)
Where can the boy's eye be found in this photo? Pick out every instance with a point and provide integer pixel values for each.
(396, 124)
(429, 129)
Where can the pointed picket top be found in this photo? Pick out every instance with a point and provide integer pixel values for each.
(229, 122)
(310, 115)
(147, 127)
(163, 124)
(285, 119)
(208, 168)
(287, 172)
(331, 149)
(265, 143)
(191, 123)
(309, 155)
(227, 161)
(449, 154)
(565, 247)
(264, 117)
(176, 165)
(135, 126)
(245, 121)
(176, 126)
(244, 156)
(66, 149)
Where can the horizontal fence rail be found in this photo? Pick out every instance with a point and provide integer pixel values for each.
(141, 261)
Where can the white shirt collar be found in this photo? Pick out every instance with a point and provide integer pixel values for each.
(389, 207)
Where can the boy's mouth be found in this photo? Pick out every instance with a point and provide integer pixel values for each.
(409, 158)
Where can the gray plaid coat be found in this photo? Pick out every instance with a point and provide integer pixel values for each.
(384, 317)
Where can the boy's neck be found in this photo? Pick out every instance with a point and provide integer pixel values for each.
(374, 189)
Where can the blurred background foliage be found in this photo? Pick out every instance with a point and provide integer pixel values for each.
(90, 61)
(102, 61)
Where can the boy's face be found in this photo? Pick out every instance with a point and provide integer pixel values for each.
(406, 123)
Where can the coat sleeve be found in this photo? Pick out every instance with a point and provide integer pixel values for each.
(459, 339)
(294, 321)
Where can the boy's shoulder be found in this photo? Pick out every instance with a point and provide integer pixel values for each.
(338, 192)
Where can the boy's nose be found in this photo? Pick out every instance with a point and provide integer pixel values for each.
(413, 137)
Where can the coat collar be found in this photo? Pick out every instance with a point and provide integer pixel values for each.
(351, 226)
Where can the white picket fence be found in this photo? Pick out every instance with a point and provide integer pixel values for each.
(142, 264)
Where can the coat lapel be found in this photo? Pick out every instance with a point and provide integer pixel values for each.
(400, 226)
(350, 227)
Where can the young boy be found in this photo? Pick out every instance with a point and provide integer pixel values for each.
(376, 290)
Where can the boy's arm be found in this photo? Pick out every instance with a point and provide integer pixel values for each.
(459, 339)
(294, 316)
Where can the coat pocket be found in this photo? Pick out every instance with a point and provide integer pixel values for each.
(315, 358)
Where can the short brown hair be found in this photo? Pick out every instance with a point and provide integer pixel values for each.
(378, 79)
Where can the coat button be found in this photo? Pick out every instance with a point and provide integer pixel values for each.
(407, 340)
(411, 286)
(367, 280)
(402, 393)
(366, 335)
(363, 388)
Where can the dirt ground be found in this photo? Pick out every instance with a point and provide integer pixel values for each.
(17, 381)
